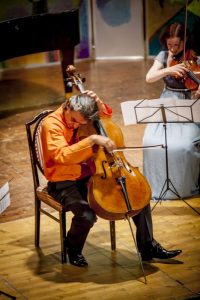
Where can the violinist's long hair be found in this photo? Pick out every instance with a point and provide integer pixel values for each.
(173, 30)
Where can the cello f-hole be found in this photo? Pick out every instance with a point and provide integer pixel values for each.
(104, 170)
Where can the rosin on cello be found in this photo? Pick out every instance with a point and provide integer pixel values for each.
(117, 189)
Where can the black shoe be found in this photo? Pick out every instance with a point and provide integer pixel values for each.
(157, 251)
(77, 260)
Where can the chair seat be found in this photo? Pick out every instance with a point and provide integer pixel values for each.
(43, 196)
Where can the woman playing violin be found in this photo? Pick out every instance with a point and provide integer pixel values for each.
(183, 165)
(68, 167)
(169, 64)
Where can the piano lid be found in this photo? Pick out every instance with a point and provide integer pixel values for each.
(39, 33)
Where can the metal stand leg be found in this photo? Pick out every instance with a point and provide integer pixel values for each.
(168, 180)
(122, 182)
(138, 253)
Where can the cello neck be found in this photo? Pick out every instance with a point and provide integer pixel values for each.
(75, 79)
(99, 128)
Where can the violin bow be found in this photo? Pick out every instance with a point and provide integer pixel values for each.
(190, 73)
(185, 31)
(119, 149)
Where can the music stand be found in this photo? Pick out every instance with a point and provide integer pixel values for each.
(163, 110)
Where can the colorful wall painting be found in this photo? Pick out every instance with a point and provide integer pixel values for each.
(160, 14)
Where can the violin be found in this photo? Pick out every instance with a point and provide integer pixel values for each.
(192, 77)
(117, 190)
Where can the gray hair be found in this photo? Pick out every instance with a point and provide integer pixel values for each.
(85, 105)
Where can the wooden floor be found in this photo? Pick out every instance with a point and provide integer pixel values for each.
(30, 274)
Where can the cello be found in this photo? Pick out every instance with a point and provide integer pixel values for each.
(117, 190)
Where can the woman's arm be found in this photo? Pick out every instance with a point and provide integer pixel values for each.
(157, 71)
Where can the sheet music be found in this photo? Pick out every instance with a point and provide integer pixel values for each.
(149, 111)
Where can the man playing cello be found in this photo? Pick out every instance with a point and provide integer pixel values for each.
(67, 172)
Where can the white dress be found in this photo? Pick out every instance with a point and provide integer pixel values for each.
(183, 153)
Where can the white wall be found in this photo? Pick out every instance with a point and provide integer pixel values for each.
(118, 29)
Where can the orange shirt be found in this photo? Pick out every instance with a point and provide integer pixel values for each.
(62, 160)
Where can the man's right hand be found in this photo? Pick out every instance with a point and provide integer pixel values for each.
(103, 141)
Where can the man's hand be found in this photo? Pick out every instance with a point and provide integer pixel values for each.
(100, 104)
(103, 141)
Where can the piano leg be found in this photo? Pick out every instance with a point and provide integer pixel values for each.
(67, 58)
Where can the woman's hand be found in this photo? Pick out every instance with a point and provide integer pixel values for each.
(157, 71)
(177, 70)
(197, 93)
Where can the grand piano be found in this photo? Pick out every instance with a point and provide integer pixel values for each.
(40, 33)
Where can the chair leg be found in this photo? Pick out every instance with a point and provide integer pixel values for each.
(112, 235)
(37, 222)
(63, 236)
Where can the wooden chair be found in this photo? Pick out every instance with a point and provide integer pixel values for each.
(40, 190)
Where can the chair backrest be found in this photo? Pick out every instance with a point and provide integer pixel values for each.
(33, 129)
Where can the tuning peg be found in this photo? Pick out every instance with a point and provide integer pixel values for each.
(82, 78)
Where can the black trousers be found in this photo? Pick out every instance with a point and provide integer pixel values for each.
(73, 196)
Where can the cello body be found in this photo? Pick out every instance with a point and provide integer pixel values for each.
(105, 194)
